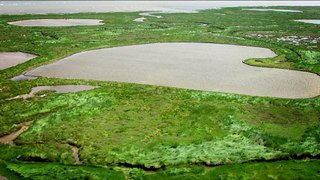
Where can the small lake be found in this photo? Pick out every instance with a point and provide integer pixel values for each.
(57, 22)
(9, 59)
(201, 66)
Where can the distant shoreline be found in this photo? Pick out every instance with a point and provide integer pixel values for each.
(61, 7)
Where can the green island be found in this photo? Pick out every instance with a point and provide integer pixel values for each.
(135, 131)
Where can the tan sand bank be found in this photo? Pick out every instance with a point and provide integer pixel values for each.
(57, 22)
(202, 66)
(9, 59)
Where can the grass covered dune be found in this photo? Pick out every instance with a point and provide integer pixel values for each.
(134, 131)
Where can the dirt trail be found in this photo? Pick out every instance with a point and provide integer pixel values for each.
(8, 139)
(75, 154)
(3, 178)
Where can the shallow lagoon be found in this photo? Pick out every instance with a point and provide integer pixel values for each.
(57, 22)
(9, 59)
(201, 66)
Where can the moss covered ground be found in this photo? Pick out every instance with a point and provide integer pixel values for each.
(135, 131)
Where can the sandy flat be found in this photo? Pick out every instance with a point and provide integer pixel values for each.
(311, 21)
(202, 66)
(57, 22)
(9, 59)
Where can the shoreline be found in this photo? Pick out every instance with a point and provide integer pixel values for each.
(67, 7)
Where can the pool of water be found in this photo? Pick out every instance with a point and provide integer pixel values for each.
(201, 66)
(9, 59)
(57, 22)
(44, 7)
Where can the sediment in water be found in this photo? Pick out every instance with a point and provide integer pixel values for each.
(57, 22)
(9, 59)
(200, 66)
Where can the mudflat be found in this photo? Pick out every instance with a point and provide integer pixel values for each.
(57, 22)
(9, 59)
(201, 66)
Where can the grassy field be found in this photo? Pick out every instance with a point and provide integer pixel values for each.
(132, 131)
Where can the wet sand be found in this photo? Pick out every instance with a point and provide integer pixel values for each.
(311, 21)
(57, 22)
(276, 10)
(9, 59)
(202, 66)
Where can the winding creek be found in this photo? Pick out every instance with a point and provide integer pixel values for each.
(75, 154)
(200, 66)
(8, 139)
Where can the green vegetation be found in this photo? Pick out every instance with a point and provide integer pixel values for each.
(294, 169)
(264, 170)
(137, 131)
